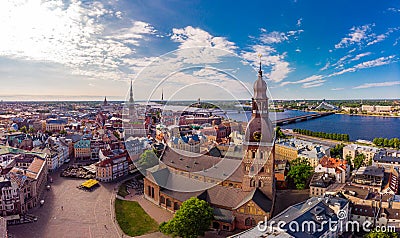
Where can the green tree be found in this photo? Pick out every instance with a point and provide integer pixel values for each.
(391, 142)
(148, 159)
(396, 143)
(191, 220)
(31, 130)
(63, 132)
(359, 161)
(386, 142)
(381, 234)
(348, 159)
(337, 151)
(116, 134)
(23, 129)
(279, 133)
(300, 171)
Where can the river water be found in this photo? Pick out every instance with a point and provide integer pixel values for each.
(358, 127)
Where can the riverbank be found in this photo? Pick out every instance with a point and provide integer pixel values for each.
(367, 115)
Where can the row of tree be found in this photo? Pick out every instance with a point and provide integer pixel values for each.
(332, 136)
(393, 143)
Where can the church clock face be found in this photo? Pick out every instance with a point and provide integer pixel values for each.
(257, 135)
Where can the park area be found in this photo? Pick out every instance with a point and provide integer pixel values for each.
(132, 219)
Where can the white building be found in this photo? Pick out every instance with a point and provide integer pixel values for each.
(336, 167)
(353, 150)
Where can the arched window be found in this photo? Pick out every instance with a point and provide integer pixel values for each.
(162, 200)
(168, 202)
(252, 183)
(260, 183)
(250, 221)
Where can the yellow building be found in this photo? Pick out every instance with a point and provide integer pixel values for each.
(82, 149)
(353, 150)
(284, 152)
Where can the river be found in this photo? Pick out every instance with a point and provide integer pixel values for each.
(358, 127)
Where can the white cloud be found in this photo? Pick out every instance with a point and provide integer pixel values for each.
(359, 56)
(307, 81)
(326, 66)
(382, 84)
(313, 84)
(337, 89)
(381, 37)
(356, 35)
(367, 64)
(279, 68)
(273, 37)
(299, 21)
(392, 9)
(378, 38)
(132, 34)
(189, 37)
(72, 34)
(298, 50)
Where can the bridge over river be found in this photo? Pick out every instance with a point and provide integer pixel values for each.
(290, 120)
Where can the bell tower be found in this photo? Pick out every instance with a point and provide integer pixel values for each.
(259, 147)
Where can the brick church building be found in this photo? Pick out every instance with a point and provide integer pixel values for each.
(241, 192)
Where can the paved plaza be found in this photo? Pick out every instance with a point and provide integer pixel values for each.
(72, 212)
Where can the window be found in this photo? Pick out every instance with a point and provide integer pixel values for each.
(168, 202)
(162, 200)
(250, 221)
(176, 206)
(252, 183)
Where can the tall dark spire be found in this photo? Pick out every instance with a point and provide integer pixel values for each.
(131, 94)
(162, 94)
(260, 70)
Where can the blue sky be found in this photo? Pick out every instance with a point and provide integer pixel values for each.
(310, 49)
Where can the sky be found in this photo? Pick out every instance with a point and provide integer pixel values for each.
(85, 50)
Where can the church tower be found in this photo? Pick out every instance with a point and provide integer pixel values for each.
(259, 148)
(132, 125)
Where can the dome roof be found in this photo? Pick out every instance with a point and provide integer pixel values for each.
(260, 87)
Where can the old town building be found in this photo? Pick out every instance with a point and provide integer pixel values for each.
(241, 191)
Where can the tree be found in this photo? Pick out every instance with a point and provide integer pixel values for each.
(279, 133)
(337, 151)
(23, 129)
(63, 132)
(148, 159)
(386, 142)
(396, 143)
(359, 160)
(381, 234)
(191, 220)
(300, 171)
(348, 159)
(116, 134)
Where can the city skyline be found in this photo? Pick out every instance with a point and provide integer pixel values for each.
(88, 50)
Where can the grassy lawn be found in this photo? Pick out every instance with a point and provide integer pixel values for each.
(122, 190)
(132, 219)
